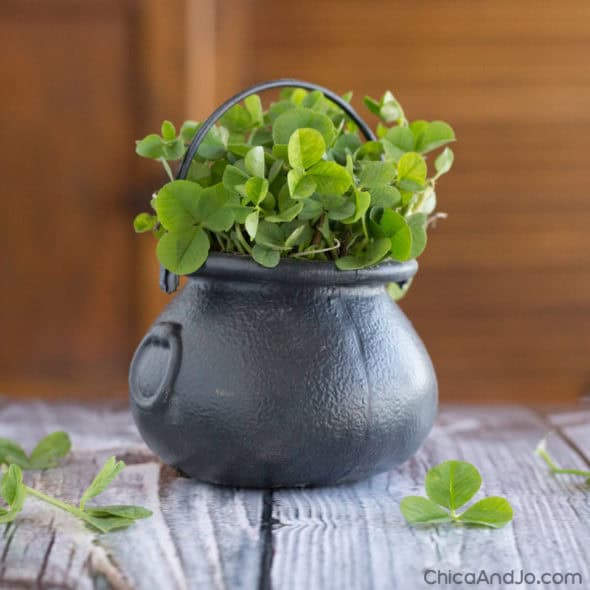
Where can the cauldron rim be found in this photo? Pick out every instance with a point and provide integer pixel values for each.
(303, 272)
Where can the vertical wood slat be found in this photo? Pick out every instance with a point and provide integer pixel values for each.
(514, 80)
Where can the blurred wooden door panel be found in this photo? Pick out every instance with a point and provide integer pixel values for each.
(502, 298)
(71, 104)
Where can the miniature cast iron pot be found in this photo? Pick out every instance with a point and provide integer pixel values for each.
(294, 376)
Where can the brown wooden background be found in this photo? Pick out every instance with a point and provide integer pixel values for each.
(503, 296)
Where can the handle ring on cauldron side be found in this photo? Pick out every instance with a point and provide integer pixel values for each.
(169, 280)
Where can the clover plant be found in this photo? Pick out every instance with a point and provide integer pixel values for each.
(296, 180)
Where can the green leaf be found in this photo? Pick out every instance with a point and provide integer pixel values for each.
(254, 107)
(254, 161)
(151, 146)
(390, 109)
(144, 222)
(12, 480)
(183, 252)
(373, 105)
(494, 512)
(12, 453)
(306, 147)
(49, 450)
(452, 483)
(375, 174)
(14, 493)
(281, 151)
(105, 524)
(386, 197)
(429, 136)
(417, 224)
(120, 510)
(287, 214)
(176, 205)
(265, 256)
(370, 150)
(270, 235)
(392, 225)
(418, 510)
(293, 238)
(362, 201)
(428, 204)
(330, 177)
(103, 479)
(237, 119)
(256, 189)
(155, 147)
(251, 223)
(401, 137)
(188, 130)
(275, 170)
(214, 146)
(411, 171)
(301, 186)
(396, 291)
(311, 208)
(213, 208)
(168, 131)
(346, 144)
(444, 161)
(372, 254)
(298, 118)
(234, 176)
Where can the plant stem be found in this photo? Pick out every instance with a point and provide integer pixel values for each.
(167, 168)
(242, 239)
(54, 501)
(556, 469)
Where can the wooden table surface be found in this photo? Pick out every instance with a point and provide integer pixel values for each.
(347, 537)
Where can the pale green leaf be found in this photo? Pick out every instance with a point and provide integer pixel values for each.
(444, 161)
(103, 479)
(418, 510)
(306, 147)
(452, 483)
(254, 161)
(251, 223)
(375, 174)
(493, 512)
(330, 177)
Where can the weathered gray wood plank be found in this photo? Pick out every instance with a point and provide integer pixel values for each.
(575, 427)
(355, 536)
(199, 536)
(351, 537)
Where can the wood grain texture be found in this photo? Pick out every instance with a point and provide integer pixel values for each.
(344, 538)
(355, 537)
(502, 298)
(198, 537)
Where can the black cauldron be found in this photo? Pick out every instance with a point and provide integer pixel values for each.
(294, 376)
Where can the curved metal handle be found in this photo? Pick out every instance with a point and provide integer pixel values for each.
(169, 280)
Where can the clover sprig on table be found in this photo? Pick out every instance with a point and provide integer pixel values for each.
(449, 486)
(46, 455)
(297, 180)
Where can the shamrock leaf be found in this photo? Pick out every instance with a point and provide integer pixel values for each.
(449, 486)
